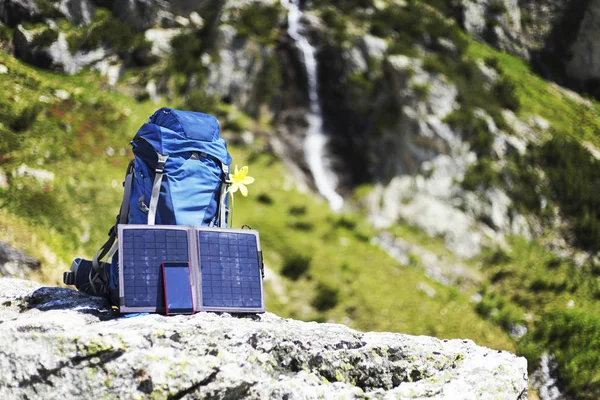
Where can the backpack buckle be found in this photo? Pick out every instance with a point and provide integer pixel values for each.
(160, 166)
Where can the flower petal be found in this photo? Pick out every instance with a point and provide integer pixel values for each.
(247, 180)
(243, 172)
(243, 189)
(236, 170)
(234, 187)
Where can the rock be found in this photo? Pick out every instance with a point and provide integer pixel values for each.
(62, 94)
(372, 46)
(78, 12)
(58, 344)
(56, 55)
(40, 175)
(3, 69)
(15, 263)
(545, 381)
(13, 12)
(161, 40)
(196, 19)
(112, 68)
(26, 49)
(446, 272)
(140, 14)
(584, 64)
(240, 61)
(497, 21)
(152, 91)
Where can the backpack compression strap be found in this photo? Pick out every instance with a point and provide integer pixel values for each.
(222, 213)
(97, 271)
(160, 170)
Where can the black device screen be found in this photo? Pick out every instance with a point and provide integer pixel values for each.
(178, 290)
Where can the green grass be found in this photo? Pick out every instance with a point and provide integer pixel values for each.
(557, 301)
(538, 97)
(348, 279)
(345, 278)
(70, 215)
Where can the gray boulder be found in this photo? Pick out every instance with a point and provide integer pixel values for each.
(78, 12)
(58, 344)
(585, 61)
(498, 21)
(56, 54)
(13, 12)
(14, 262)
(240, 62)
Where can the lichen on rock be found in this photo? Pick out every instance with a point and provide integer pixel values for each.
(59, 343)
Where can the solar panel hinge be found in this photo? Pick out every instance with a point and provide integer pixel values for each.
(260, 263)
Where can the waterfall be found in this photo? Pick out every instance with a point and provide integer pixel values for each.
(315, 143)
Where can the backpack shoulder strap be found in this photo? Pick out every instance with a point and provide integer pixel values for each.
(159, 171)
(112, 233)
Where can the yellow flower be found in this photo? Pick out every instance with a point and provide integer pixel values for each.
(239, 180)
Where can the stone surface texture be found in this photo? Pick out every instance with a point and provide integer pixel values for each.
(14, 262)
(585, 61)
(58, 343)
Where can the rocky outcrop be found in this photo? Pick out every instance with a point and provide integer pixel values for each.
(497, 21)
(58, 343)
(559, 37)
(584, 64)
(14, 12)
(15, 263)
(235, 76)
(78, 12)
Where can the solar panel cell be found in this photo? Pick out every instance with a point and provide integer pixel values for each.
(224, 265)
(143, 252)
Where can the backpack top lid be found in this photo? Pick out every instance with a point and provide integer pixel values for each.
(171, 131)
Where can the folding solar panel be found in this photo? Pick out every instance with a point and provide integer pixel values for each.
(225, 267)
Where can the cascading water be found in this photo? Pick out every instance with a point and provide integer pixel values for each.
(315, 143)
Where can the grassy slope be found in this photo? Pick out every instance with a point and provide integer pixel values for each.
(70, 215)
(354, 281)
(375, 293)
(538, 97)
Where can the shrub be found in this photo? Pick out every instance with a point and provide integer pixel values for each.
(499, 256)
(421, 90)
(200, 101)
(506, 94)
(45, 38)
(326, 298)
(264, 198)
(574, 179)
(108, 31)
(492, 62)
(295, 265)
(474, 129)
(25, 118)
(434, 64)
(497, 7)
(345, 221)
(297, 210)
(269, 80)
(573, 337)
(259, 22)
(301, 225)
(480, 175)
(5, 33)
(187, 50)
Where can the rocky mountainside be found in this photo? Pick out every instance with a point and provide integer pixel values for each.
(469, 179)
(59, 343)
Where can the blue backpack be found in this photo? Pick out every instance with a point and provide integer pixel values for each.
(177, 177)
